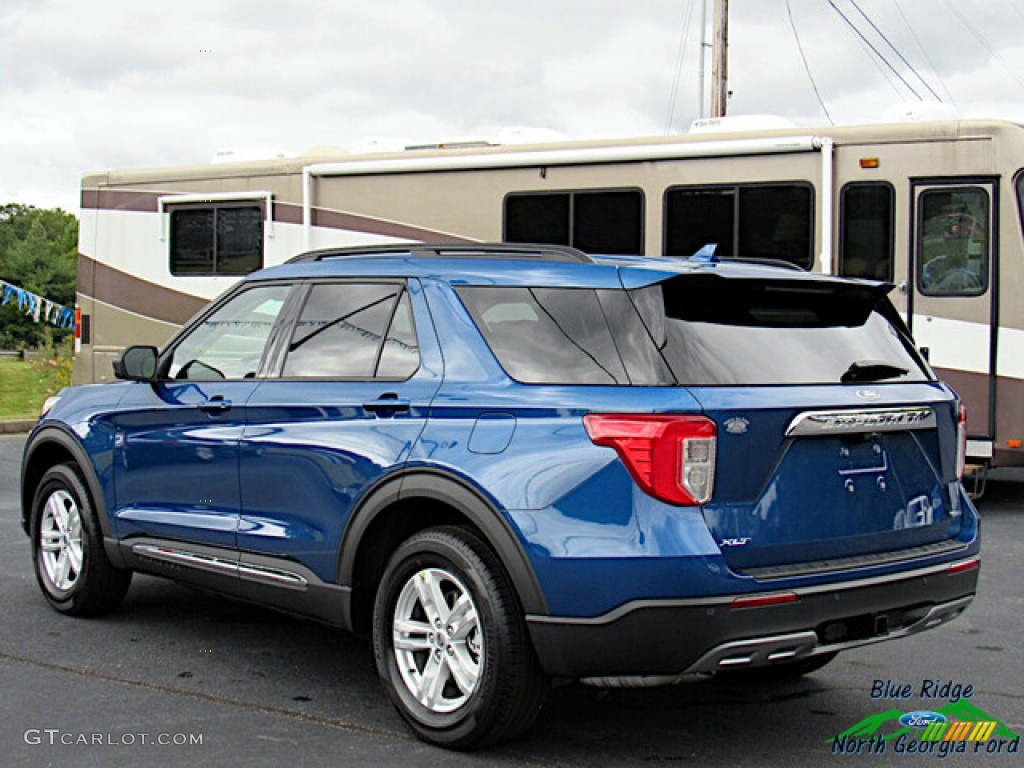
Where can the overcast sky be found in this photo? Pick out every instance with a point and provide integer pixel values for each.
(100, 84)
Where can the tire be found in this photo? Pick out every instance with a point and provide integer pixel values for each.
(451, 645)
(784, 671)
(67, 548)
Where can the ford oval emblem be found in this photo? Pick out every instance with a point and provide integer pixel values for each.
(922, 718)
(868, 394)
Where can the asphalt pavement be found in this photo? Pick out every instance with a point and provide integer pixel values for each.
(178, 677)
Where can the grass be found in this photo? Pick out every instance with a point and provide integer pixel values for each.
(24, 385)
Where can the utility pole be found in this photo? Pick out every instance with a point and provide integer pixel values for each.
(720, 59)
(702, 56)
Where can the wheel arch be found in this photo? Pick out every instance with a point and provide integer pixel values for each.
(415, 501)
(51, 445)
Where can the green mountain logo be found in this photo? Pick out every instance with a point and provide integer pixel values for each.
(887, 726)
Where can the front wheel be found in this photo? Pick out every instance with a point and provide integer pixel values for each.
(67, 546)
(451, 645)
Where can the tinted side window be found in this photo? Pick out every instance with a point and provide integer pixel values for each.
(400, 356)
(866, 212)
(953, 242)
(354, 331)
(776, 223)
(547, 335)
(637, 340)
(768, 221)
(192, 242)
(607, 221)
(216, 240)
(696, 217)
(537, 219)
(229, 343)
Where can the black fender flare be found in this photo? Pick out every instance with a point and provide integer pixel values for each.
(59, 434)
(470, 503)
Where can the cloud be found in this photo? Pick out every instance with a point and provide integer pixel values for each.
(119, 83)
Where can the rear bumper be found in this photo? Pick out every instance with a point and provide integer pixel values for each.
(702, 636)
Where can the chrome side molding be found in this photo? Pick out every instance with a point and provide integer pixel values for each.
(277, 577)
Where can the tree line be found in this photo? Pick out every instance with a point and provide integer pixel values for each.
(38, 252)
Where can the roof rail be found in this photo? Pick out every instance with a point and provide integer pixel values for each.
(530, 251)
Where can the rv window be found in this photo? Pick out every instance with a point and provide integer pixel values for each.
(216, 240)
(354, 331)
(597, 222)
(953, 242)
(768, 221)
(866, 212)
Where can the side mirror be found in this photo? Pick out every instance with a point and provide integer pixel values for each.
(136, 364)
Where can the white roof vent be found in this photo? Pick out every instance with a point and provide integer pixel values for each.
(249, 154)
(526, 134)
(735, 123)
(916, 111)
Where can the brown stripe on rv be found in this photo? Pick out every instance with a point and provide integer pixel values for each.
(120, 200)
(330, 219)
(122, 290)
(973, 388)
(288, 213)
(1009, 421)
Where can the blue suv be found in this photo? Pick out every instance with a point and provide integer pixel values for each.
(512, 464)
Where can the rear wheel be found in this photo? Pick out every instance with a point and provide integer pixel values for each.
(451, 645)
(67, 547)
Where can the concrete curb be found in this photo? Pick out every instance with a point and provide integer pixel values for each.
(16, 426)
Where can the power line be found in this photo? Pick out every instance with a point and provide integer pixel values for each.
(807, 68)
(924, 52)
(981, 39)
(881, 70)
(895, 50)
(680, 55)
(1013, 4)
(874, 50)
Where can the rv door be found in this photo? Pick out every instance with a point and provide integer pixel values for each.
(952, 298)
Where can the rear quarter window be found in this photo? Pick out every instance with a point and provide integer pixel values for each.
(544, 335)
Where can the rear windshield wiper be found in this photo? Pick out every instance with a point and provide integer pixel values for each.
(871, 370)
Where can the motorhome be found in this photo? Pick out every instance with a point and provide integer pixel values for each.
(935, 207)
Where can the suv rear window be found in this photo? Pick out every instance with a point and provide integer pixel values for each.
(696, 330)
(714, 331)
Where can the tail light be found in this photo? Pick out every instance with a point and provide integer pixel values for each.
(671, 457)
(78, 330)
(961, 441)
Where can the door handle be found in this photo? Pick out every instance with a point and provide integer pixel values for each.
(387, 404)
(216, 404)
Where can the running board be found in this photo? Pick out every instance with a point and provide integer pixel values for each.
(277, 577)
